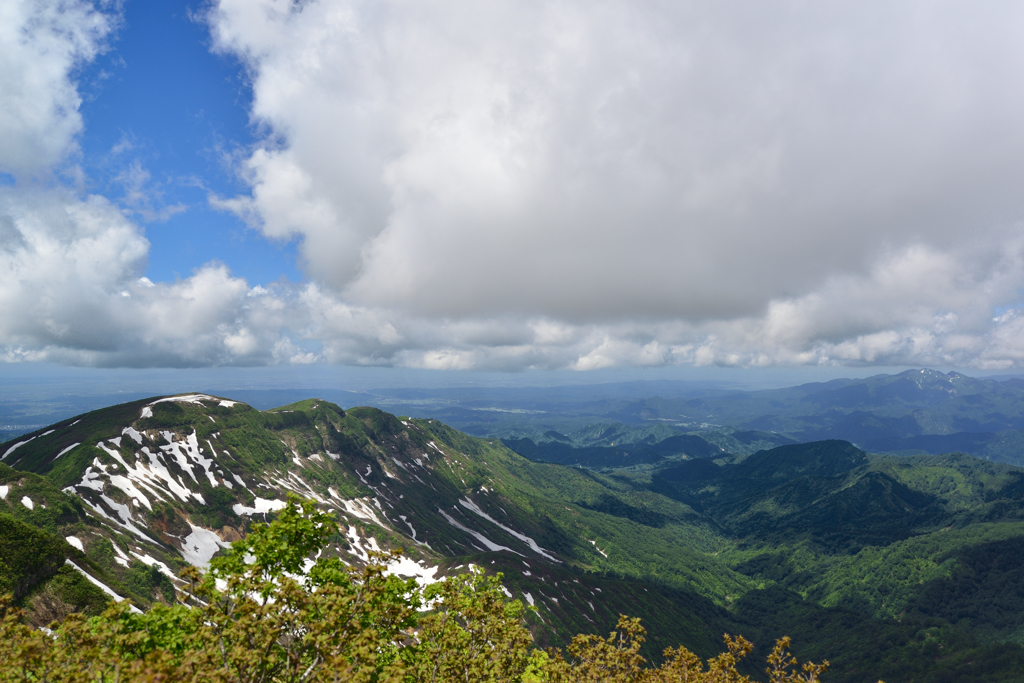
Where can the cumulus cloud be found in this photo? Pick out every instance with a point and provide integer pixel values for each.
(588, 162)
(41, 41)
(513, 185)
(71, 266)
(72, 292)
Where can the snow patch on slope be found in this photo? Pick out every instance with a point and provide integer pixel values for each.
(126, 520)
(472, 507)
(121, 558)
(150, 561)
(185, 398)
(488, 543)
(186, 450)
(102, 586)
(260, 506)
(17, 445)
(413, 531)
(200, 545)
(361, 508)
(71, 447)
(404, 566)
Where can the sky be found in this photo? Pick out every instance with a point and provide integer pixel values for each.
(511, 186)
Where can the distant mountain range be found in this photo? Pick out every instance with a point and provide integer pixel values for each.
(902, 568)
(914, 412)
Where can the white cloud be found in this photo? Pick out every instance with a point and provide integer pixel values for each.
(591, 162)
(71, 292)
(514, 185)
(41, 41)
(71, 289)
(141, 196)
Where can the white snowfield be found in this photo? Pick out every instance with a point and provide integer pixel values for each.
(147, 560)
(147, 411)
(27, 502)
(74, 541)
(296, 484)
(124, 483)
(260, 506)
(121, 558)
(154, 477)
(124, 516)
(413, 531)
(184, 451)
(135, 435)
(148, 477)
(187, 398)
(201, 545)
(3, 491)
(161, 472)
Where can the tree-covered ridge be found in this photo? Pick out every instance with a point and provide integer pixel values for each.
(277, 608)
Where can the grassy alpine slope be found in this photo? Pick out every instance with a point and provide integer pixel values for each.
(821, 541)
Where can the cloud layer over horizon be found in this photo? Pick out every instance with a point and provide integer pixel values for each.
(552, 185)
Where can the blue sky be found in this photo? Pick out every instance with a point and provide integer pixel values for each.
(160, 101)
(528, 189)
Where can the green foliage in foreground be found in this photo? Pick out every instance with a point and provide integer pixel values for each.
(251, 619)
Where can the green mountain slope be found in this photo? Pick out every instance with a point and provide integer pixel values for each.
(170, 481)
(783, 539)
